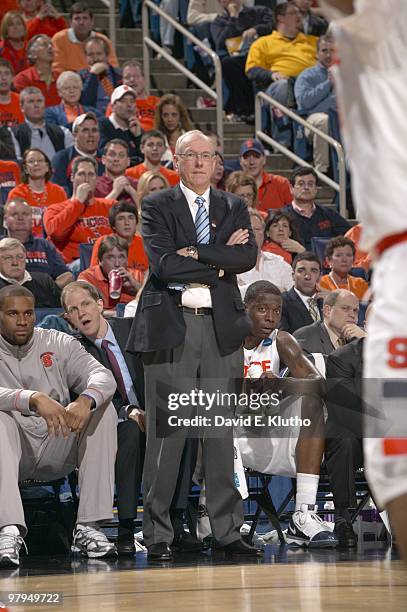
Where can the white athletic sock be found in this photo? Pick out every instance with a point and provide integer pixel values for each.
(307, 487)
(11, 530)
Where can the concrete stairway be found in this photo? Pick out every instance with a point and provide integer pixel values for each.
(166, 79)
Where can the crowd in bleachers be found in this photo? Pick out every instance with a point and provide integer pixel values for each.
(82, 143)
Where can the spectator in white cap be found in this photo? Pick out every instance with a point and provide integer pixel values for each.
(123, 123)
(100, 78)
(86, 135)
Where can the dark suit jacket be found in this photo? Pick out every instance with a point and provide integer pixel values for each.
(121, 329)
(295, 314)
(314, 338)
(168, 226)
(344, 371)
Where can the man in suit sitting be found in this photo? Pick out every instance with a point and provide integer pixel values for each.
(300, 305)
(340, 312)
(190, 327)
(105, 340)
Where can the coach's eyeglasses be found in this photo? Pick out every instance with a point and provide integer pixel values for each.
(192, 156)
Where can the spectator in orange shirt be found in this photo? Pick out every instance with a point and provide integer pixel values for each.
(112, 255)
(41, 17)
(113, 183)
(362, 259)
(340, 255)
(123, 219)
(36, 189)
(274, 191)
(13, 34)
(69, 44)
(153, 146)
(99, 78)
(281, 237)
(10, 111)
(82, 218)
(40, 53)
(133, 77)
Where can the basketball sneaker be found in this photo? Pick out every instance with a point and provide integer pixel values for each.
(306, 528)
(10, 544)
(92, 542)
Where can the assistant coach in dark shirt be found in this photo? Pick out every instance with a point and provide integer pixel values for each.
(190, 326)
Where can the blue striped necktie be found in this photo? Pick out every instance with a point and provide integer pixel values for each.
(202, 222)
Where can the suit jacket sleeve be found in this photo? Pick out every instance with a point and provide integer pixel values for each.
(162, 251)
(234, 259)
(344, 391)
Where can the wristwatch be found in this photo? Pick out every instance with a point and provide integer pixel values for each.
(192, 251)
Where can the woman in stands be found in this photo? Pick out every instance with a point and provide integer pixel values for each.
(149, 182)
(40, 54)
(69, 86)
(13, 35)
(171, 118)
(340, 255)
(123, 219)
(280, 237)
(36, 188)
(244, 186)
(218, 175)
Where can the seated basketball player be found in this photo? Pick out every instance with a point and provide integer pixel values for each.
(295, 453)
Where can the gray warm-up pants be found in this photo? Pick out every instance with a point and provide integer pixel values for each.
(27, 451)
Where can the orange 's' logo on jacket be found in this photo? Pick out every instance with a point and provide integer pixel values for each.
(46, 359)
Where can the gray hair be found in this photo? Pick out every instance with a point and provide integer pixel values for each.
(27, 92)
(66, 76)
(11, 243)
(191, 134)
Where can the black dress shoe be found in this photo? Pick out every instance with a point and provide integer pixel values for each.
(185, 542)
(238, 547)
(347, 538)
(125, 542)
(159, 552)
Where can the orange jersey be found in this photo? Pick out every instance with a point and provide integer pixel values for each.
(145, 108)
(31, 78)
(358, 286)
(137, 258)
(53, 194)
(136, 171)
(11, 114)
(274, 192)
(48, 26)
(94, 275)
(70, 223)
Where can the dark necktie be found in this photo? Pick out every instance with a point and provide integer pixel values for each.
(202, 222)
(313, 309)
(115, 370)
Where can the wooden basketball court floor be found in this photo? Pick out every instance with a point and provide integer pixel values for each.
(371, 578)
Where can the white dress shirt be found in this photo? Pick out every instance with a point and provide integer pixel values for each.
(196, 295)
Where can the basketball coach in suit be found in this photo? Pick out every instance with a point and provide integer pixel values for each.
(189, 327)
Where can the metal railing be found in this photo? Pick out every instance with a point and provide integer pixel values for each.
(339, 187)
(148, 43)
(111, 5)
